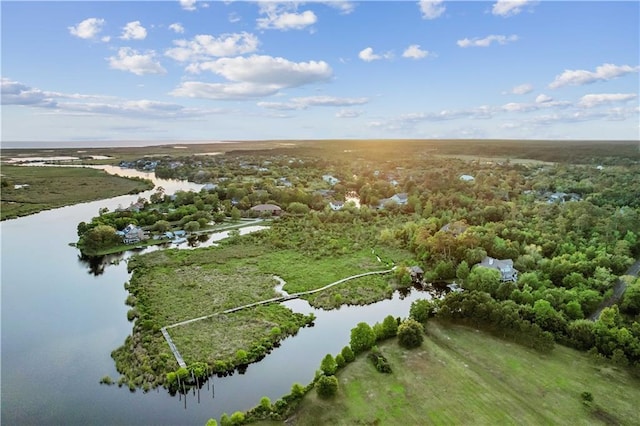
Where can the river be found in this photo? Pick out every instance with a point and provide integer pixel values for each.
(62, 317)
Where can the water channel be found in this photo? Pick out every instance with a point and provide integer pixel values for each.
(62, 316)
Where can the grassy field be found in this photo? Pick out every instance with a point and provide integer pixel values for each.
(51, 187)
(461, 376)
(171, 286)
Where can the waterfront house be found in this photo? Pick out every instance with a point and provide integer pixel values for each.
(132, 234)
(416, 273)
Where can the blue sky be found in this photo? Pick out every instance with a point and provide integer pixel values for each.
(239, 70)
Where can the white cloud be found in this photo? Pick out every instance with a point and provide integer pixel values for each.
(262, 69)
(542, 102)
(329, 101)
(414, 52)
(486, 42)
(177, 28)
(542, 98)
(280, 106)
(140, 64)
(252, 77)
(507, 8)
(520, 107)
(134, 31)
(224, 91)
(522, 89)
(288, 21)
(284, 16)
(431, 9)
(87, 29)
(593, 100)
(310, 101)
(344, 6)
(367, 55)
(604, 72)
(105, 39)
(234, 17)
(189, 5)
(15, 93)
(348, 113)
(203, 46)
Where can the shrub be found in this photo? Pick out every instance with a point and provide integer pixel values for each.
(340, 361)
(362, 338)
(421, 310)
(348, 354)
(237, 418)
(329, 365)
(327, 386)
(410, 333)
(379, 361)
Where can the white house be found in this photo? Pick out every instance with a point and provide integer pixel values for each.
(336, 205)
(132, 234)
(467, 178)
(330, 179)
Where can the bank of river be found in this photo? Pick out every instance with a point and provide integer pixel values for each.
(62, 316)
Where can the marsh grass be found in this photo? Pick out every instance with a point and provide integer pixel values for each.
(52, 187)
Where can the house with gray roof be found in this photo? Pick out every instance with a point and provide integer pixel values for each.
(504, 266)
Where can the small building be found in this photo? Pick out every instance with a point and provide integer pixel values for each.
(330, 179)
(467, 178)
(399, 199)
(416, 273)
(336, 205)
(505, 267)
(265, 209)
(561, 197)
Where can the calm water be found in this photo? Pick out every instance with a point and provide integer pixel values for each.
(60, 322)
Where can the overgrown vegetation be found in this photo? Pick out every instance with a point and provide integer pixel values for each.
(28, 190)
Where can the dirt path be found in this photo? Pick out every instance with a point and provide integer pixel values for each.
(618, 290)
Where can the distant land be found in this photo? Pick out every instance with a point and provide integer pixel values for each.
(143, 143)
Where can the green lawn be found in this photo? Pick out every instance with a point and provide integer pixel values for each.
(461, 376)
(52, 187)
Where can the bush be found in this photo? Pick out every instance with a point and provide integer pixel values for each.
(362, 338)
(340, 361)
(379, 361)
(421, 310)
(327, 386)
(410, 333)
(329, 365)
(237, 418)
(348, 354)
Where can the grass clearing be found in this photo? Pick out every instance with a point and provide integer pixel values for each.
(464, 376)
(52, 187)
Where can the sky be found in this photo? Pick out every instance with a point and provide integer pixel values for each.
(186, 70)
